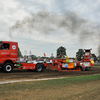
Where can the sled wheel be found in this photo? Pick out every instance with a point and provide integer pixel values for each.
(83, 68)
(88, 68)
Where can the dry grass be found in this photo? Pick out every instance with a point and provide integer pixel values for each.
(78, 88)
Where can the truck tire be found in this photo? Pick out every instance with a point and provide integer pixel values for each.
(8, 67)
(39, 67)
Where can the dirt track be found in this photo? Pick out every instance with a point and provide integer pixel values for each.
(24, 74)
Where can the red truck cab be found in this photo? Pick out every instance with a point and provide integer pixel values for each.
(8, 58)
(8, 55)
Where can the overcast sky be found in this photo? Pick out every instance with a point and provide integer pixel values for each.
(42, 26)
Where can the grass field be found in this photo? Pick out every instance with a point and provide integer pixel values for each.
(96, 66)
(72, 88)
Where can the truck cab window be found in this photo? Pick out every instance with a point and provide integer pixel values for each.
(5, 46)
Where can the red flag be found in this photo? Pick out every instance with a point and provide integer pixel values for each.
(44, 55)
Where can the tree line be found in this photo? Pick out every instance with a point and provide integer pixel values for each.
(61, 53)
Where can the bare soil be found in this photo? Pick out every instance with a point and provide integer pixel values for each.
(25, 74)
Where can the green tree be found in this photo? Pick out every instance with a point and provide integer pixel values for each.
(19, 52)
(98, 58)
(94, 56)
(80, 54)
(61, 51)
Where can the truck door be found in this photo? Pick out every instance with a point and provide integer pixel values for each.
(14, 51)
(4, 52)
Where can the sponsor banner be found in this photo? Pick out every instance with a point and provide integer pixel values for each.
(13, 47)
(65, 65)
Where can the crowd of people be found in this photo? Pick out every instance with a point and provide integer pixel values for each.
(32, 60)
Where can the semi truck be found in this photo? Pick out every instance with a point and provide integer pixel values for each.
(8, 58)
(8, 61)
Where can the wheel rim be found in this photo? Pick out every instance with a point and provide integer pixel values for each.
(39, 68)
(8, 68)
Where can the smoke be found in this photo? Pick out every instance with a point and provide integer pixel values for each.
(47, 23)
(99, 50)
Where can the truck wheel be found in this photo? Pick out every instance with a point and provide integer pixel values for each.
(39, 67)
(8, 67)
(88, 68)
